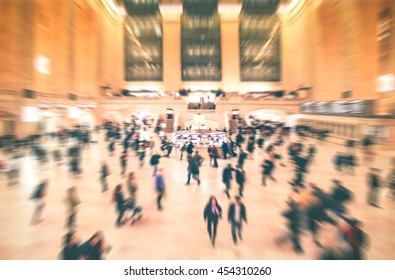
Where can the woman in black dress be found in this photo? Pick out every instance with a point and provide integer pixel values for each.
(212, 213)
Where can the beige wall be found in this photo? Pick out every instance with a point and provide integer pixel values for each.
(82, 39)
(172, 52)
(230, 53)
(331, 46)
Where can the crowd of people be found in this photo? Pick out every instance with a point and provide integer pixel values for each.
(308, 206)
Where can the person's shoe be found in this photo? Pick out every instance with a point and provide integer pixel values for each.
(187, 184)
(213, 242)
(198, 182)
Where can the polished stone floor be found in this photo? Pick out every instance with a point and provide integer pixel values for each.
(179, 232)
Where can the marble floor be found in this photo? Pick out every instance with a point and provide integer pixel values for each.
(179, 232)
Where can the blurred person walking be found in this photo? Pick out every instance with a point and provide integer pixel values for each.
(119, 201)
(103, 174)
(95, 247)
(293, 216)
(154, 161)
(355, 237)
(241, 159)
(71, 247)
(240, 179)
(212, 213)
(227, 178)
(194, 163)
(111, 148)
(141, 153)
(132, 186)
(267, 170)
(374, 184)
(39, 198)
(160, 188)
(236, 215)
(182, 149)
(124, 162)
(72, 201)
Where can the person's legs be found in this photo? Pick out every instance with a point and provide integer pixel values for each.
(239, 229)
(215, 162)
(370, 196)
(189, 178)
(159, 199)
(234, 235)
(120, 216)
(264, 176)
(104, 184)
(196, 177)
(241, 189)
(295, 241)
(314, 231)
(215, 225)
(37, 213)
(209, 228)
(373, 196)
(70, 220)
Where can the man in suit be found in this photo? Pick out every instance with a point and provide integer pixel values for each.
(236, 215)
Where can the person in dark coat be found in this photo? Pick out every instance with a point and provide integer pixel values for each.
(212, 213)
(194, 163)
(240, 179)
(72, 248)
(292, 214)
(374, 184)
(225, 150)
(104, 173)
(119, 201)
(355, 238)
(251, 148)
(94, 248)
(111, 148)
(241, 159)
(236, 215)
(267, 170)
(215, 155)
(155, 158)
(227, 178)
(190, 148)
(124, 162)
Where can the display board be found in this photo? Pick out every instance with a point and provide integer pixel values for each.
(355, 107)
